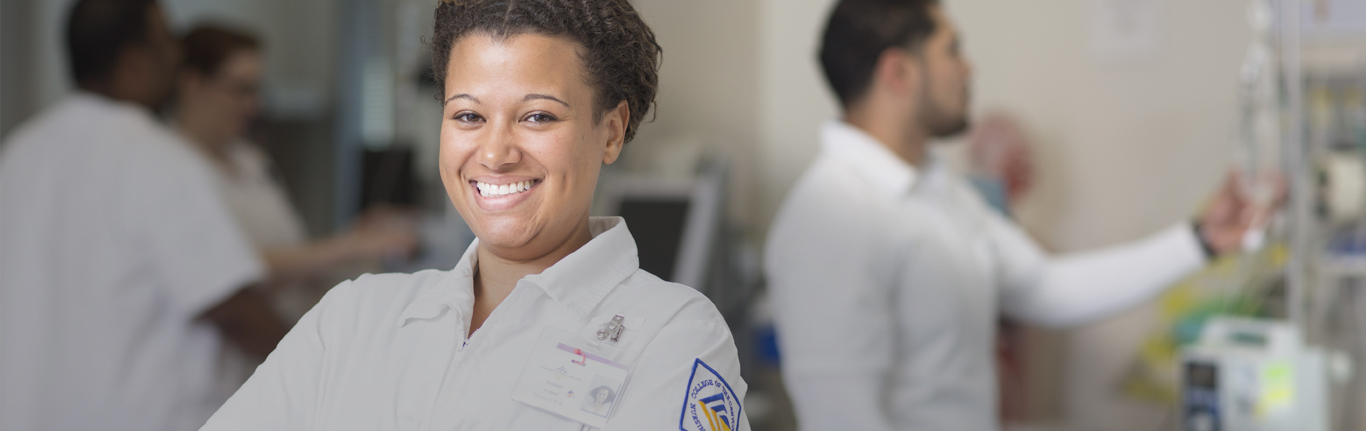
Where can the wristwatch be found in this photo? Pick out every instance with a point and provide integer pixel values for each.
(1205, 246)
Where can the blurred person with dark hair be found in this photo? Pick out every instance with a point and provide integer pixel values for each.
(217, 97)
(120, 268)
(887, 271)
(536, 96)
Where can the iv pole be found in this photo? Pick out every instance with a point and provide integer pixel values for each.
(1296, 154)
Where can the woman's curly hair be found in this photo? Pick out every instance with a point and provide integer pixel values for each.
(619, 53)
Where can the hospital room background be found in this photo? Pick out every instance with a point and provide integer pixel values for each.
(1129, 111)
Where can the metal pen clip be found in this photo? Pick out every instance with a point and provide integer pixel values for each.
(612, 330)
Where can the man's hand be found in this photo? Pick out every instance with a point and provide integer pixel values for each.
(1231, 214)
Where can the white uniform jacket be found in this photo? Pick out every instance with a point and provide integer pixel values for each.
(887, 281)
(390, 352)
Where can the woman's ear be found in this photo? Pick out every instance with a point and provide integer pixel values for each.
(615, 121)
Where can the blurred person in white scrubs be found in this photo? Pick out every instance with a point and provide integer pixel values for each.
(548, 303)
(121, 272)
(887, 271)
(217, 98)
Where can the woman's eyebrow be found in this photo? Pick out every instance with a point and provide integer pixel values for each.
(462, 96)
(535, 96)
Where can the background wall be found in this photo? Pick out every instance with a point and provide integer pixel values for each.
(709, 92)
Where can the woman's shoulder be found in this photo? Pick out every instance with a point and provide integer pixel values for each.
(667, 302)
(394, 286)
(395, 282)
(378, 296)
(683, 345)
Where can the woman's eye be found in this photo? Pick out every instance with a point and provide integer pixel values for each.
(466, 117)
(540, 117)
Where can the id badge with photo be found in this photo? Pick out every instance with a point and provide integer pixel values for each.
(574, 377)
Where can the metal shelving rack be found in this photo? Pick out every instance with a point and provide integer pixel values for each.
(1325, 292)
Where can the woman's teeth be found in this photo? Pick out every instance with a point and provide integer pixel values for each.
(497, 190)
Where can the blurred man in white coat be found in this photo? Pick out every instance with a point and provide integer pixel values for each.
(888, 272)
(121, 270)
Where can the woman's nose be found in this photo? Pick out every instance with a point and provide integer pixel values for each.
(499, 151)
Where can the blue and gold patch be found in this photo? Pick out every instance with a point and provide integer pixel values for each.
(710, 403)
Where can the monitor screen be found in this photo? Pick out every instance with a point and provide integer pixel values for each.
(657, 224)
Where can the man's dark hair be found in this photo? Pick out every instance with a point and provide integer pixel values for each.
(208, 46)
(860, 30)
(97, 30)
(619, 53)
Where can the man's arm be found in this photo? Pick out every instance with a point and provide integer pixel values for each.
(1081, 287)
(245, 319)
(195, 246)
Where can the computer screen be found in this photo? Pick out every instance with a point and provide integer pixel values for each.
(657, 223)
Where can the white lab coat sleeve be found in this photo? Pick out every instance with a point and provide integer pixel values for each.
(834, 308)
(284, 392)
(657, 393)
(179, 218)
(1083, 287)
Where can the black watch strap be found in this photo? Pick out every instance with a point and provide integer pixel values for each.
(1205, 246)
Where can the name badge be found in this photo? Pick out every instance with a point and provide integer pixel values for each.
(573, 377)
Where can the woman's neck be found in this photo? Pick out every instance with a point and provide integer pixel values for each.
(495, 277)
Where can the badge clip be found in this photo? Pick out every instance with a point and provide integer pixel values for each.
(612, 330)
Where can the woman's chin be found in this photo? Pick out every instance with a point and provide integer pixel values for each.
(505, 235)
(522, 235)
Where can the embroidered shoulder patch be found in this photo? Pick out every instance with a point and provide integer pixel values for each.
(710, 403)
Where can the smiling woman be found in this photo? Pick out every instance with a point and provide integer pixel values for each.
(549, 305)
